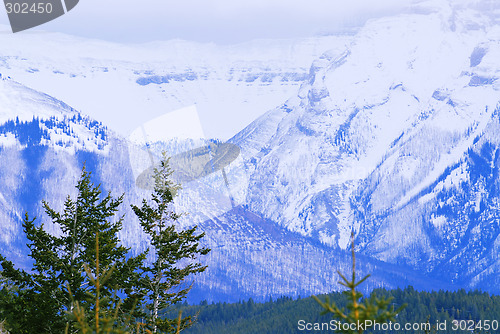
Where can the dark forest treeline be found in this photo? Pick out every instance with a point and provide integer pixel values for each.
(283, 315)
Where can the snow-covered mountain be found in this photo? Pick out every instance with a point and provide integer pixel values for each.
(395, 137)
(44, 145)
(126, 85)
(394, 134)
(31, 118)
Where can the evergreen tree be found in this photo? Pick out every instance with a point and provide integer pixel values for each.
(42, 297)
(359, 311)
(175, 251)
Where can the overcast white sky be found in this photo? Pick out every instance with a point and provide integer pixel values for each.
(219, 21)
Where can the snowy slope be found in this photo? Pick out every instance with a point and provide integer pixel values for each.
(394, 135)
(43, 145)
(126, 85)
(56, 124)
(251, 256)
(375, 126)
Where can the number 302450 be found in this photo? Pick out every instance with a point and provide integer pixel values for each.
(25, 8)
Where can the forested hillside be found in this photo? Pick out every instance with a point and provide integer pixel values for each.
(284, 315)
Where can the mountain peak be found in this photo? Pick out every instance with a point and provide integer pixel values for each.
(29, 117)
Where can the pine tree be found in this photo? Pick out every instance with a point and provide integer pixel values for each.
(43, 296)
(359, 311)
(175, 251)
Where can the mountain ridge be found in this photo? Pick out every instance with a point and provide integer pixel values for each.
(394, 137)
